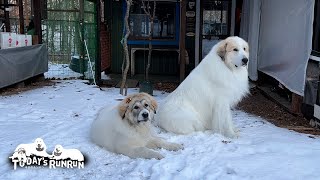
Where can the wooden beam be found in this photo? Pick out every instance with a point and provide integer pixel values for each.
(296, 103)
(37, 19)
(98, 60)
(82, 45)
(6, 16)
(182, 39)
(21, 17)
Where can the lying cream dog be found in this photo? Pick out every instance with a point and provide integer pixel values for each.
(126, 129)
(60, 153)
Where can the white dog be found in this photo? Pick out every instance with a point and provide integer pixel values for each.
(126, 129)
(37, 148)
(204, 99)
(60, 153)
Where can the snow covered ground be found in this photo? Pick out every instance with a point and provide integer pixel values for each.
(62, 114)
(61, 71)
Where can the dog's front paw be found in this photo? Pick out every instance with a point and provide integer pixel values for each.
(160, 157)
(157, 156)
(174, 147)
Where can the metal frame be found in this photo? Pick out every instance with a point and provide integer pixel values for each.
(83, 25)
(163, 42)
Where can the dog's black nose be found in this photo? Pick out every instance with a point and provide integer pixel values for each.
(145, 115)
(245, 61)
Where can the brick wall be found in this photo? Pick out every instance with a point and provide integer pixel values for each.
(105, 47)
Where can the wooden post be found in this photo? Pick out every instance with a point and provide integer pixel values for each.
(6, 16)
(182, 43)
(21, 17)
(296, 103)
(98, 60)
(37, 19)
(82, 45)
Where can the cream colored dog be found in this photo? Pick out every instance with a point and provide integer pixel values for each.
(60, 153)
(37, 148)
(126, 129)
(204, 99)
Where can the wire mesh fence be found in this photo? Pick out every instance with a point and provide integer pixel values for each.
(62, 32)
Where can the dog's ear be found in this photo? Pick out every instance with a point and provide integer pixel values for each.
(154, 104)
(124, 106)
(222, 49)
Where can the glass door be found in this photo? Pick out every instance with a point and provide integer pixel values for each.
(215, 23)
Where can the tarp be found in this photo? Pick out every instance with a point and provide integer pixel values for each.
(249, 31)
(282, 33)
(18, 64)
(285, 41)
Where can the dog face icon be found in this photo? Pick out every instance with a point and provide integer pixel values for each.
(57, 150)
(39, 144)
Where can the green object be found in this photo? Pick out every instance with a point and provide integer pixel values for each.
(31, 32)
(77, 66)
(146, 87)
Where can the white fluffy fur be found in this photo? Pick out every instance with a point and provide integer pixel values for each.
(204, 99)
(60, 153)
(31, 149)
(127, 137)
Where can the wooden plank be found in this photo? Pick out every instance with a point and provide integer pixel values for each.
(21, 17)
(300, 128)
(296, 103)
(35, 39)
(266, 90)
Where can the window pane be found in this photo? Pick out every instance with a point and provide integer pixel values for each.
(215, 18)
(164, 21)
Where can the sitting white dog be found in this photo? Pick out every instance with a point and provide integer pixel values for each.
(126, 129)
(37, 148)
(60, 153)
(204, 99)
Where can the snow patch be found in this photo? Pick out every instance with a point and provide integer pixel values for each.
(62, 114)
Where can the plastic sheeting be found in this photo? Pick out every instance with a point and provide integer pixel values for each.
(249, 31)
(285, 41)
(18, 64)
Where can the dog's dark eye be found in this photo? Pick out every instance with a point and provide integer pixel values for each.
(244, 48)
(235, 49)
(146, 105)
(136, 107)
